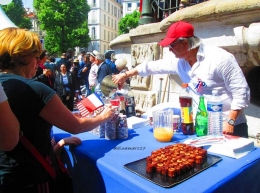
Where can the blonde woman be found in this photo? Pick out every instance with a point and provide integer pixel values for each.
(38, 108)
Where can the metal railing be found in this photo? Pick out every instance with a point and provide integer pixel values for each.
(157, 10)
(163, 9)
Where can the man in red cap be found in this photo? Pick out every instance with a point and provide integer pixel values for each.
(204, 68)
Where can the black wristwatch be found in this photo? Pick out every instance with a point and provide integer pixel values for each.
(231, 122)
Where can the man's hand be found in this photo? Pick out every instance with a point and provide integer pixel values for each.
(228, 129)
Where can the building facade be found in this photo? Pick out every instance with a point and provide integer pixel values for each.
(103, 22)
(129, 6)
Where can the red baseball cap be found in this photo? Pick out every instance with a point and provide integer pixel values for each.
(177, 30)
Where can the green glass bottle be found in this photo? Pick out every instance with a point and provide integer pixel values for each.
(201, 120)
(93, 89)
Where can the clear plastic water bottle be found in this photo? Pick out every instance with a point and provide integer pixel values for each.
(215, 119)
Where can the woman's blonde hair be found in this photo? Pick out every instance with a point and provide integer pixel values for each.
(17, 44)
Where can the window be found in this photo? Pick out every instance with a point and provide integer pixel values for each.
(115, 26)
(115, 36)
(108, 35)
(94, 3)
(93, 33)
(105, 5)
(112, 22)
(129, 6)
(104, 34)
(93, 17)
(108, 6)
(115, 11)
(138, 5)
(105, 22)
(108, 21)
(104, 47)
(112, 9)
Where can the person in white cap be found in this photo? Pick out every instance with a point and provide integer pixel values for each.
(121, 64)
(92, 78)
(205, 68)
(122, 68)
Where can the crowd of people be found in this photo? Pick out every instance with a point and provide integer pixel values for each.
(75, 75)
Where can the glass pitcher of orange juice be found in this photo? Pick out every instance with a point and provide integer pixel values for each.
(163, 125)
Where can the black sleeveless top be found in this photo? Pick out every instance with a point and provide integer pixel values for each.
(27, 98)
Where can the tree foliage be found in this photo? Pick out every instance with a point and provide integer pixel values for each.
(16, 13)
(64, 22)
(128, 22)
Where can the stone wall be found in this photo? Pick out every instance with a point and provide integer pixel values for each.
(233, 25)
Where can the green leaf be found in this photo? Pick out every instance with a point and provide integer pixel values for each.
(130, 21)
(16, 13)
(64, 22)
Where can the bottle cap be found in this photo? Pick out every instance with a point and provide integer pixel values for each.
(184, 85)
(214, 91)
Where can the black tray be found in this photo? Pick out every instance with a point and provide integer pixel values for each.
(139, 167)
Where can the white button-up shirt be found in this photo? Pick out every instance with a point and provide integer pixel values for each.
(92, 77)
(215, 69)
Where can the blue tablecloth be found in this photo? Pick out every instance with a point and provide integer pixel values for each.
(98, 166)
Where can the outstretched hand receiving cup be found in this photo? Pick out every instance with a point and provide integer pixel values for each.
(108, 112)
(119, 79)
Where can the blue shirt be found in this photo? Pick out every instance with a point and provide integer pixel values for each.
(103, 70)
(112, 66)
(66, 82)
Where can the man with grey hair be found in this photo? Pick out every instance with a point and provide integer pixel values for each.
(103, 68)
(204, 68)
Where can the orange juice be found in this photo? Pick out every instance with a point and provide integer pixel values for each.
(163, 134)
